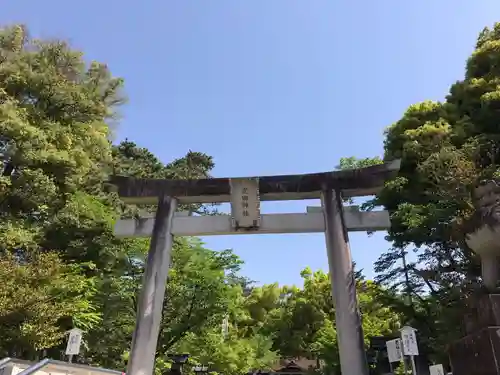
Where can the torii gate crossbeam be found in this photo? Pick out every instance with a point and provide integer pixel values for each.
(245, 195)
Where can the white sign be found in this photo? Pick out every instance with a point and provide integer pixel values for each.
(225, 327)
(245, 202)
(74, 342)
(436, 369)
(409, 338)
(394, 351)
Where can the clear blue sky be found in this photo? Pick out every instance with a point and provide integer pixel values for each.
(269, 86)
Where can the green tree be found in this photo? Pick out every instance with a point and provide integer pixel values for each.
(56, 154)
(54, 147)
(305, 324)
(229, 355)
(37, 293)
(131, 160)
(353, 162)
(198, 292)
(446, 148)
(259, 306)
(190, 290)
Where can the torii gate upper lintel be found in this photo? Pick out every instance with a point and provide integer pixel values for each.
(245, 195)
(352, 183)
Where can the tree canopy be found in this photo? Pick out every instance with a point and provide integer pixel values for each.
(446, 149)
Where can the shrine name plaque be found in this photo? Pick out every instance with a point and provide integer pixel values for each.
(245, 203)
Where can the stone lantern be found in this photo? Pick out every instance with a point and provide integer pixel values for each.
(178, 362)
(485, 239)
(478, 353)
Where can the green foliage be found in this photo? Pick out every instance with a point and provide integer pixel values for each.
(198, 292)
(304, 323)
(55, 113)
(38, 291)
(134, 161)
(54, 148)
(232, 355)
(353, 162)
(446, 148)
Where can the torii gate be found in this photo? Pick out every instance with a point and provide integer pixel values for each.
(245, 195)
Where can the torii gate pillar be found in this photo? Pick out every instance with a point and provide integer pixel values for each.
(245, 196)
(347, 317)
(150, 304)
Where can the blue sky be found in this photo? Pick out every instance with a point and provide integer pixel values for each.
(269, 86)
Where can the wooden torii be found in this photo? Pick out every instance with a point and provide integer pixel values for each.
(245, 195)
